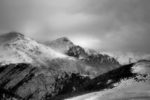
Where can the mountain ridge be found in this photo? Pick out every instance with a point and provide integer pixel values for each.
(27, 49)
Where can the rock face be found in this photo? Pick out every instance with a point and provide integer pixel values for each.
(97, 62)
(24, 81)
(102, 63)
(77, 51)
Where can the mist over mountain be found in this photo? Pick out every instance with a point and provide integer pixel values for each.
(21, 49)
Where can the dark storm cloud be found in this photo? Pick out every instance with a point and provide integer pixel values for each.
(118, 25)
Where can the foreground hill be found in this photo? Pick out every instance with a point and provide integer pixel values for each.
(27, 82)
(131, 82)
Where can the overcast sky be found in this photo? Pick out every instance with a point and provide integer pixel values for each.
(115, 25)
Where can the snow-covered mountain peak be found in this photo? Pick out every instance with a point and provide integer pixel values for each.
(10, 37)
(17, 48)
(61, 44)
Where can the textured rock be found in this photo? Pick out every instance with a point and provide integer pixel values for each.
(24, 81)
(95, 62)
(101, 63)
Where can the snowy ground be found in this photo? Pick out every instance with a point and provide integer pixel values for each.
(127, 90)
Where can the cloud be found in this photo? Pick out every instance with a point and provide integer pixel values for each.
(115, 25)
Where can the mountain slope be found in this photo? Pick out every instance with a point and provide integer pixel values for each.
(16, 48)
(24, 81)
(95, 63)
(101, 63)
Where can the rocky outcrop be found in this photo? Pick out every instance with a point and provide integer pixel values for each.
(101, 63)
(77, 51)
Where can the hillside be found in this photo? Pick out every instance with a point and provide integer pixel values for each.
(25, 81)
(130, 82)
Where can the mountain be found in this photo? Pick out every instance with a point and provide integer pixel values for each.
(129, 82)
(17, 48)
(61, 44)
(100, 62)
(94, 61)
(33, 70)
(30, 70)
